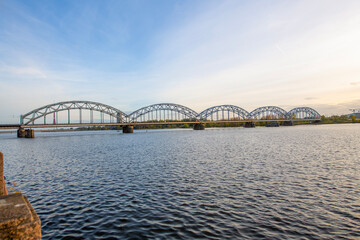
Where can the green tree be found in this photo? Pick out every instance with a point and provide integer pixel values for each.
(353, 118)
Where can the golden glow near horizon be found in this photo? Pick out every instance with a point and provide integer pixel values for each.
(250, 54)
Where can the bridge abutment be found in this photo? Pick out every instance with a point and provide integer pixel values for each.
(249, 125)
(199, 126)
(128, 129)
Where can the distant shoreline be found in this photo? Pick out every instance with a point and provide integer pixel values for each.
(163, 127)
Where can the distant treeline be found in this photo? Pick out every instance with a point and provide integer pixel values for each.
(339, 119)
(324, 120)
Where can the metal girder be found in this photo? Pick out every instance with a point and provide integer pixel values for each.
(189, 113)
(267, 111)
(169, 111)
(303, 113)
(31, 116)
(240, 112)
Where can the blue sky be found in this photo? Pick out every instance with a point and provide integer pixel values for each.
(129, 54)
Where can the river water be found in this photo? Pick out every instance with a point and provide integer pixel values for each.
(298, 182)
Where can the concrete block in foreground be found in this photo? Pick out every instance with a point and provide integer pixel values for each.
(18, 219)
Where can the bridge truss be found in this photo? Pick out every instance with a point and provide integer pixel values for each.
(303, 113)
(160, 113)
(163, 112)
(267, 113)
(55, 108)
(223, 112)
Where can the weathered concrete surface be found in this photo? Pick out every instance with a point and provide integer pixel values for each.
(18, 219)
(3, 190)
(21, 133)
(25, 133)
(29, 133)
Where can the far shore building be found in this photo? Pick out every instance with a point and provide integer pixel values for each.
(355, 112)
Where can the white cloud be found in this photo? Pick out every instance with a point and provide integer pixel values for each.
(256, 56)
(24, 71)
(249, 54)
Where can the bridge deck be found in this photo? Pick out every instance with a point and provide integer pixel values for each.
(16, 126)
(9, 126)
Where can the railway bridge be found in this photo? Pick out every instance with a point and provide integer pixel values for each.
(88, 113)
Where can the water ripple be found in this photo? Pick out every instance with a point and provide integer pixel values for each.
(284, 183)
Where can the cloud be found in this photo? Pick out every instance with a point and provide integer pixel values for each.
(248, 54)
(214, 57)
(339, 108)
(27, 72)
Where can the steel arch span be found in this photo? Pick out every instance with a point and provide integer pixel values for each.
(227, 112)
(54, 108)
(268, 112)
(162, 112)
(303, 113)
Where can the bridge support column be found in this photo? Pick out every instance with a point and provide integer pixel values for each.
(128, 129)
(199, 126)
(29, 133)
(288, 123)
(25, 133)
(249, 125)
(21, 133)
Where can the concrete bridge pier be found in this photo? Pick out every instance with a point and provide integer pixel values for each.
(128, 129)
(21, 132)
(29, 133)
(249, 125)
(199, 126)
(25, 133)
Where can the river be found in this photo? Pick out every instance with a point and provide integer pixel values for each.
(299, 182)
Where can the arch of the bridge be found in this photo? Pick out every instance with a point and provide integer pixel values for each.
(42, 112)
(223, 112)
(303, 113)
(268, 112)
(163, 112)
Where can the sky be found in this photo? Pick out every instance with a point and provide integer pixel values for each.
(202, 53)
